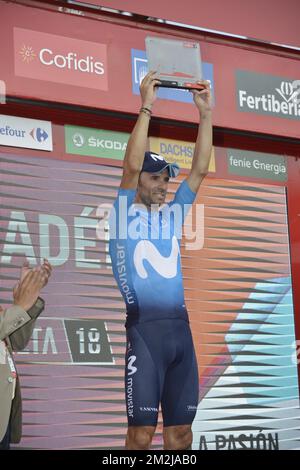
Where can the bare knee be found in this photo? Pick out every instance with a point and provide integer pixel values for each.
(139, 437)
(178, 437)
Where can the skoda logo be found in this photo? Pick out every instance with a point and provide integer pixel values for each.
(78, 140)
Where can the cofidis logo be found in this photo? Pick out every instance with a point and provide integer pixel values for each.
(60, 59)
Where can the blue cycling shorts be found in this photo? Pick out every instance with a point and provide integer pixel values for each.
(161, 368)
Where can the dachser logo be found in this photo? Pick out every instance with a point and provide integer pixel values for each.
(60, 59)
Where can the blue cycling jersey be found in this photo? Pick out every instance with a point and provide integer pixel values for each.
(144, 248)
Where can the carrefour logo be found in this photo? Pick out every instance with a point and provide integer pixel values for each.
(39, 134)
(23, 132)
(267, 94)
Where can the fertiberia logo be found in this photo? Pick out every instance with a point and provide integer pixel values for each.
(267, 94)
(60, 59)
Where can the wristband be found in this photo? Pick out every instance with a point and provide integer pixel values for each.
(146, 110)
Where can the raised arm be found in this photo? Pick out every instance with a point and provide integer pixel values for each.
(25, 296)
(203, 146)
(27, 305)
(137, 143)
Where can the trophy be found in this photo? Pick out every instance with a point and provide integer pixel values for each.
(177, 63)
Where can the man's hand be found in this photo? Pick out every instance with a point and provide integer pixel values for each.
(45, 268)
(202, 99)
(27, 291)
(148, 89)
(24, 270)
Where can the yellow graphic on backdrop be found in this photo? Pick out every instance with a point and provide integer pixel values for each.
(178, 151)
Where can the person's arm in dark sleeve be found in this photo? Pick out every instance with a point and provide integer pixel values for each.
(20, 338)
(11, 319)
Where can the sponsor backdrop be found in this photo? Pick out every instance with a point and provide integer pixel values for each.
(23, 132)
(281, 26)
(238, 292)
(95, 142)
(56, 63)
(99, 64)
(241, 307)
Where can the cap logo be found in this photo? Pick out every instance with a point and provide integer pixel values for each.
(156, 157)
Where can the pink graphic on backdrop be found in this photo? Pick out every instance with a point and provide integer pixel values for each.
(60, 59)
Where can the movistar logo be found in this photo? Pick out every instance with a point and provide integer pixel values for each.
(156, 157)
(166, 266)
(132, 369)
